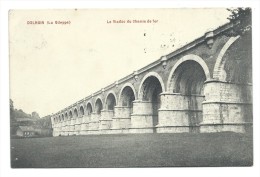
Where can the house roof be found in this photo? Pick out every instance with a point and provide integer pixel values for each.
(27, 128)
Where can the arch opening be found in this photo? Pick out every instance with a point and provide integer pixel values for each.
(81, 109)
(188, 80)
(127, 97)
(66, 116)
(98, 106)
(89, 109)
(111, 101)
(70, 114)
(75, 113)
(151, 89)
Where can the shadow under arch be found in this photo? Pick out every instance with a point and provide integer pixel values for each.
(187, 79)
(98, 105)
(149, 92)
(89, 108)
(110, 100)
(127, 95)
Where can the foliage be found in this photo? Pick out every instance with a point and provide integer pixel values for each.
(242, 21)
(44, 123)
(35, 115)
(11, 110)
(19, 113)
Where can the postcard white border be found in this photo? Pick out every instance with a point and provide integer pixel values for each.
(5, 169)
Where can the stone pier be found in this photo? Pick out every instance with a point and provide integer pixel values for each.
(121, 120)
(227, 107)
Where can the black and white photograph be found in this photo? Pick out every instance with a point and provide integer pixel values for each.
(131, 88)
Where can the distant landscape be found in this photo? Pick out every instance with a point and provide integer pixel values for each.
(19, 118)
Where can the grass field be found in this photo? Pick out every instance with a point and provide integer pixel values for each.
(134, 150)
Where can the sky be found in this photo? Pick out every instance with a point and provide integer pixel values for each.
(54, 65)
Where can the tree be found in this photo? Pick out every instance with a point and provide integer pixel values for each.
(239, 66)
(11, 109)
(21, 114)
(241, 18)
(35, 115)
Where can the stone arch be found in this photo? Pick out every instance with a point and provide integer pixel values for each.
(150, 74)
(81, 110)
(149, 93)
(62, 117)
(75, 113)
(219, 71)
(111, 100)
(70, 114)
(126, 93)
(187, 78)
(66, 115)
(98, 105)
(89, 108)
(59, 118)
(190, 57)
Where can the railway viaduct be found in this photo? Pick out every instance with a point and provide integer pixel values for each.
(204, 86)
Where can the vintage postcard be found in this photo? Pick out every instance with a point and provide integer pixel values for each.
(95, 88)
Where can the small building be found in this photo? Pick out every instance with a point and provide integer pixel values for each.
(26, 131)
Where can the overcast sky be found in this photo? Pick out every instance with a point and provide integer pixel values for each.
(53, 66)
